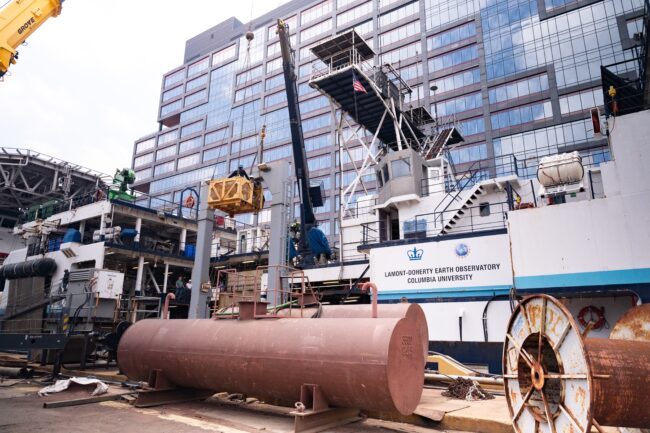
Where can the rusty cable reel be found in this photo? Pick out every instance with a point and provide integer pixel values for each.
(557, 381)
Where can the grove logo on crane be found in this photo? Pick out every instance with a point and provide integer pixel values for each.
(27, 25)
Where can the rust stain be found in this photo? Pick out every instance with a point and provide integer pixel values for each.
(580, 396)
(534, 314)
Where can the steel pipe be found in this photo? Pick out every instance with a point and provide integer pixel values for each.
(369, 364)
(355, 311)
(557, 379)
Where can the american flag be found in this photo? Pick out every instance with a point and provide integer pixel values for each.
(356, 84)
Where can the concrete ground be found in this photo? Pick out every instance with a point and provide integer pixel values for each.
(21, 411)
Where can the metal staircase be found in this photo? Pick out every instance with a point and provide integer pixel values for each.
(470, 200)
(444, 137)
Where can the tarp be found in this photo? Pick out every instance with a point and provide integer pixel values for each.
(62, 385)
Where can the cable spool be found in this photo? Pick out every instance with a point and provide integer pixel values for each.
(558, 381)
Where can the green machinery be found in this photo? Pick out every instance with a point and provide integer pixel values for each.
(121, 181)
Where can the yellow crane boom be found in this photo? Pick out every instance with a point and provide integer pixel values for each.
(18, 20)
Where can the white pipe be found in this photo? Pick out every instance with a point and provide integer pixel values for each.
(138, 278)
(480, 379)
(138, 227)
(165, 278)
(182, 240)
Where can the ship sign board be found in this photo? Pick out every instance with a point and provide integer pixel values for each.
(466, 264)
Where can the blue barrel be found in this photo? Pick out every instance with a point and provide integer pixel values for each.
(190, 250)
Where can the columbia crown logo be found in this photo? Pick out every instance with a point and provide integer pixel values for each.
(415, 254)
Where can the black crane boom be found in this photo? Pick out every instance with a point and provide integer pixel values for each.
(307, 218)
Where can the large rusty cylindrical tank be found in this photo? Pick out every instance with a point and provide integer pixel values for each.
(354, 311)
(557, 381)
(369, 364)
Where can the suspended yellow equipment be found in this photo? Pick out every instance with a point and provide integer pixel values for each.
(236, 195)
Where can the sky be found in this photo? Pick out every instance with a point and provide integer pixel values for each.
(87, 84)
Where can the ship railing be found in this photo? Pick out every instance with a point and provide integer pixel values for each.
(483, 217)
(339, 62)
(360, 208)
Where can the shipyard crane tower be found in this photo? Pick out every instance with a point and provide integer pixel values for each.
(373, 97)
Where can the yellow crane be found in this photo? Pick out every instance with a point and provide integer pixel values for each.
(18, 20)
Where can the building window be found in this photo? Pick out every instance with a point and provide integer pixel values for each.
(317, 122)
(170, 108)
(362, 29)
(273, 82)
(472, 126)
(354, 13)
(411, 72)
(458, 105)
(313, 104)
(196, 82)
(465, 154)
(247, 92)
(174, 78)
(193, 143)
(453, 58)
(244, 144)
(401, 167)
(167, 137)
(417, 93)
(318, 142)
(520, 115)
(310, 32)
(581, 101)
(275, 98)
(402, 53)
(273, 65)
(165, 153)
(452, 36)
(196, 97)
(221, 56)
(251, 74)
(277, 153)
(484, 209)
(145, 145)
(188, 161)
(456, 81)
(399, 33)
(143, 174)
(142, 160)
(319, 162)
(198, 67)
(399, 14)
(214, 136)
(518, 89)
(215, 153)
(191, 128)
(163, 168)
(244, 161)
(314, 12)
(172, 93)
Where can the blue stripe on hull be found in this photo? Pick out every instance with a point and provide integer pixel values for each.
(582, 279)
(459, 292)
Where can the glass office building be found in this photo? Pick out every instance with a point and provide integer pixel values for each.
(520, 76)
